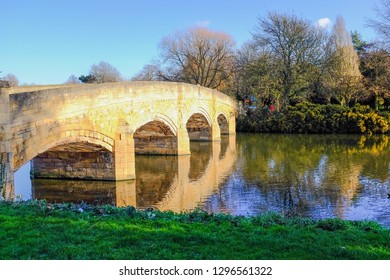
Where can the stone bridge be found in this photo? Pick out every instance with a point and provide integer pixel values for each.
(93, 131)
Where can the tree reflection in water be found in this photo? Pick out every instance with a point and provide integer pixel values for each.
(308, 175)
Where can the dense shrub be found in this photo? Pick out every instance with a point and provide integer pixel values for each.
(315, 118)
(261, 120)
(385, 115)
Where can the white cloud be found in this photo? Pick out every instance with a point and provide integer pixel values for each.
(203, 23)
(324, 22)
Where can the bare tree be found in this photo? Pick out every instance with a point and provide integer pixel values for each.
(149, 72)
(11, 79)
(382, 24)
(345, 77)
(295, 46)
(197, 56)
(72, 80)
(375, 65)
(104, 72)
(257, 75)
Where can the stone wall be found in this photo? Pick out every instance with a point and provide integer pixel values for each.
(155, 145)
(74, 165)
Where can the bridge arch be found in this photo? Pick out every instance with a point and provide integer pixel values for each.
(223, 123)
(198, 128)
(81, 154)
(155, 137)
(159, 117)
(202, 111)
(64, 138)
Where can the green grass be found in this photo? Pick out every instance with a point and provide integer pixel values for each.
(38, 230)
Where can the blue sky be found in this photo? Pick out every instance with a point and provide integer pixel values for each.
(45, 41)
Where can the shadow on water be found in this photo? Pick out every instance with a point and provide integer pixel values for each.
(92, 192)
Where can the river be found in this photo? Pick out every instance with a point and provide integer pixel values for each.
(317, 176)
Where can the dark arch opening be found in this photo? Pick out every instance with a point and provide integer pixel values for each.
(198, 128)
(223, 124)
(156, 138)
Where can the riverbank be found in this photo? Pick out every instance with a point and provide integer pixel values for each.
(39, 230)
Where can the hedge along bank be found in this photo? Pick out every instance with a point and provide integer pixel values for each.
(315, 118)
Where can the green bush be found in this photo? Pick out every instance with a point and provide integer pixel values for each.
(260, 120)
(307, 117)
(385, 115)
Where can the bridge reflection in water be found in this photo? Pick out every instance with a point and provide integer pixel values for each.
(176, 183)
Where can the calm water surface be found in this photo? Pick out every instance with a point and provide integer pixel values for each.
(316, 176)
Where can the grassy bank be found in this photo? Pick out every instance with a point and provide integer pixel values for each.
(38, 230)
